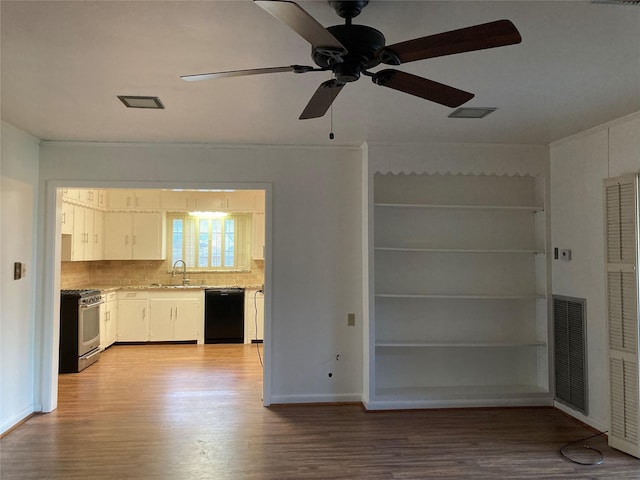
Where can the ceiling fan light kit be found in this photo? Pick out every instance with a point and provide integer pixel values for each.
(350, 51)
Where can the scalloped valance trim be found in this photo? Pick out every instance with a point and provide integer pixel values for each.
(460, 159)
(456, 172)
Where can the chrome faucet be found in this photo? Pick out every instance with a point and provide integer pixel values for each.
(185, 280)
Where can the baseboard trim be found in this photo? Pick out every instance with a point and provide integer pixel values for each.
(321, 399)
(578, 416)
(18, 419)
(398, 404)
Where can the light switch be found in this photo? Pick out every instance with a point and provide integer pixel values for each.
(565, 254)
(351, 320)
(18, 270)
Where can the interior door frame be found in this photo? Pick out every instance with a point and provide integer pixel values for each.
(48, 288)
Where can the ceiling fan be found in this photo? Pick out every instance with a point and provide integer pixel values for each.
(352, 50)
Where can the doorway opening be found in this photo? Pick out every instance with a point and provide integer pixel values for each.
(134, 239)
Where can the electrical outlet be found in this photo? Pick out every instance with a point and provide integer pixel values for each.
(351, 319)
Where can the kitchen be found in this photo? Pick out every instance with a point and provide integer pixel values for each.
(184, 266)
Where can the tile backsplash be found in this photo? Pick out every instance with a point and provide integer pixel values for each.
(146, 272)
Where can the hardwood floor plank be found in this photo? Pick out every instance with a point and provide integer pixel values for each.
(195, 412)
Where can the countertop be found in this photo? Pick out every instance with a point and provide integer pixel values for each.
(111, 288)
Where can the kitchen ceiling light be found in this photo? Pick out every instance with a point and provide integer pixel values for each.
(131, 101)
(468, 112)
(208, 214)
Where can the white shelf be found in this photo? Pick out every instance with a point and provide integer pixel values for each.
(459, 396)
(459, 292)
(414, 344)
(457, 250)
(526, 208)
(460, 296)
(412, 393)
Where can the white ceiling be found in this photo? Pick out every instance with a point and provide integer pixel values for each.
(64, 63)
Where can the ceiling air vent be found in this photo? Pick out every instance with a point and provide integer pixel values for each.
(472, 112)
(136, 101)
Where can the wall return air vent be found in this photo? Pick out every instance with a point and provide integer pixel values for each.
(570, 352)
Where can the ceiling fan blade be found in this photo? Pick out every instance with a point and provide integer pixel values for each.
(479, 37)
(322, 99)
(293, 15)
(421, 87)
(242, 73)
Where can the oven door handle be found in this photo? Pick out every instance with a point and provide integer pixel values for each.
(92, 354)
(84, 307)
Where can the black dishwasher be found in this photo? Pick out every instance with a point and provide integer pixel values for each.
(224, 315)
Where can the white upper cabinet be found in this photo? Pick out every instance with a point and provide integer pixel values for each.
(134, 236)
(257, 236)
(243, 201)
(124, 199)
(83, 234)
(85, 196)
(209, 201)
(148, 236)
(98, 235)
(176, 201)
(71, 194)
(67, 218)
(126, 224)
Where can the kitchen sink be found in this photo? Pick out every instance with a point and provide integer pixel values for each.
(158, 285)
(182, 286)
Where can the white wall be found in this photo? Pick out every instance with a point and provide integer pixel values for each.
(579, 165)
(313, 270)
(19, 192)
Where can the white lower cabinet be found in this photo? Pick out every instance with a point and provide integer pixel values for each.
(160, 316)
(133, 316)
(253, 315)
(109, 320)
(175, 316)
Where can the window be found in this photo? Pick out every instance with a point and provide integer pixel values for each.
(210, 242)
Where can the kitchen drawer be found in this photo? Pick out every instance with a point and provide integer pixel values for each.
(133, 295)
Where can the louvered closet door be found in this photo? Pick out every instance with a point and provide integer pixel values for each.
(621, 227)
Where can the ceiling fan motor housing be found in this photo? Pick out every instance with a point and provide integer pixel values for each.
(361, 42)
(348, 8)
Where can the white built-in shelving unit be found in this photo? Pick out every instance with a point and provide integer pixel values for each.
(460, 291)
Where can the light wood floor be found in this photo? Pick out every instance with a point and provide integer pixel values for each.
(194, 412)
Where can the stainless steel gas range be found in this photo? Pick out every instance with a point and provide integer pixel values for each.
(79, 329)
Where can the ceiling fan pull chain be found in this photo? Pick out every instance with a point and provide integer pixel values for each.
(331, 135)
